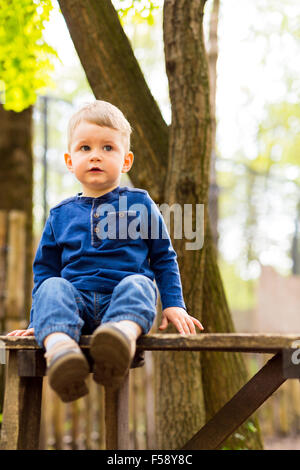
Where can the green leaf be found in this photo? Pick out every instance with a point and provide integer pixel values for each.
(26, 61)
(251, 427)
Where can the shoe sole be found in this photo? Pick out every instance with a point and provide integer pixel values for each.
(67, 377)
(110, 350)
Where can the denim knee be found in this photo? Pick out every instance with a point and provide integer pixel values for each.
(141, 283)
(134, 298)
(55, 309)
(53, 283)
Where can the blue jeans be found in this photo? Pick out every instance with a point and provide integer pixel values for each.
(58, 306)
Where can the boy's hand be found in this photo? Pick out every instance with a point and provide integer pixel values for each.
(28, 332)
(184, 322)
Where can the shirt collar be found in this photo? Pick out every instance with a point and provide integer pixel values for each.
(105, 197)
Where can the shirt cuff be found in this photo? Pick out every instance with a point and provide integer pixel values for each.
(174, 303)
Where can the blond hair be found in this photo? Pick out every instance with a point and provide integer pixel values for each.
(105, 115)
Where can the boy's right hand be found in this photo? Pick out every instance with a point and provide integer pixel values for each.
(28, 332)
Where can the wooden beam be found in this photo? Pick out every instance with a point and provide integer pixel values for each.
(240, 407)
(235, 342)
(31, 363)
(22, 409)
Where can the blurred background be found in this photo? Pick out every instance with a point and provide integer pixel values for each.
(257, 161)
(257, 140)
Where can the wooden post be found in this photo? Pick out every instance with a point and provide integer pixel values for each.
(22, 408)
(101, 417)
(15, 282)
(88, 411)
(3, 233)
(150, 405)
(74, 424)
(57, 411)
(116, 416)
(3, 249)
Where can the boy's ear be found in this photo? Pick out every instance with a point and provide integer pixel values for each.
(68, 161)
(128, 161)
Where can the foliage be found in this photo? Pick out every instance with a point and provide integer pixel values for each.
(239, 441)
(25, 58)
(279, 137)
(239, 292)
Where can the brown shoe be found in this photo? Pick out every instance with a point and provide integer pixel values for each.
(67, 369)
(111, 352)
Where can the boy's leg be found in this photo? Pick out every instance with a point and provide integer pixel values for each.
(57, 325)
(56, 308)
(131, 312)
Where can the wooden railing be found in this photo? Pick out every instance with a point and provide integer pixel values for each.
(26, 369)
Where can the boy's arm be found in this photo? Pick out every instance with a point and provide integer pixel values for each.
(47, 261)
(163, 262)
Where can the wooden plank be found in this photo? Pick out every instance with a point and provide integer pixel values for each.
(18, 342)
(236, 342)
(116, 416)
(22, 409)
(240, 407)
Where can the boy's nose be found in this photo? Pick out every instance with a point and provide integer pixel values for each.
(96, 157)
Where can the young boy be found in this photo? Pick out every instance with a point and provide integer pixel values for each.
(91, 281)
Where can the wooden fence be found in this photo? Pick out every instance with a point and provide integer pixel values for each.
(12, 275)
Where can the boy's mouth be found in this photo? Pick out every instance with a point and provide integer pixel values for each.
(95, 169)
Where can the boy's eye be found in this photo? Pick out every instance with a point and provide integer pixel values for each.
(85, 147)
(108, 148)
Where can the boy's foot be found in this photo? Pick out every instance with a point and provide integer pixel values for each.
(112, 351)
(67, 369)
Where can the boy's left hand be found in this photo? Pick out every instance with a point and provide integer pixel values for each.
(184, 322)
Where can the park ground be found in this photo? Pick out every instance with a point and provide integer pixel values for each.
(282, 443)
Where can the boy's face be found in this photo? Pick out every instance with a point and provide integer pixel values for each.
(97, 158)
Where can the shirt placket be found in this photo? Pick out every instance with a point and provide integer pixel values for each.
(94, 225)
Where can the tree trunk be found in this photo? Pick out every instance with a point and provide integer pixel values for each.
(114, 75)
(16, 179)
(180, 409)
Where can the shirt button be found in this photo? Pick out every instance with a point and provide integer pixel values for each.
(122, 214)
(96, 229)
(96, 214)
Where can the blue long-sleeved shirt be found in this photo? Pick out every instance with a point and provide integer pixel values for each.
(95, 242)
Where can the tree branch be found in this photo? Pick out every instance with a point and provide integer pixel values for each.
(115, 76)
